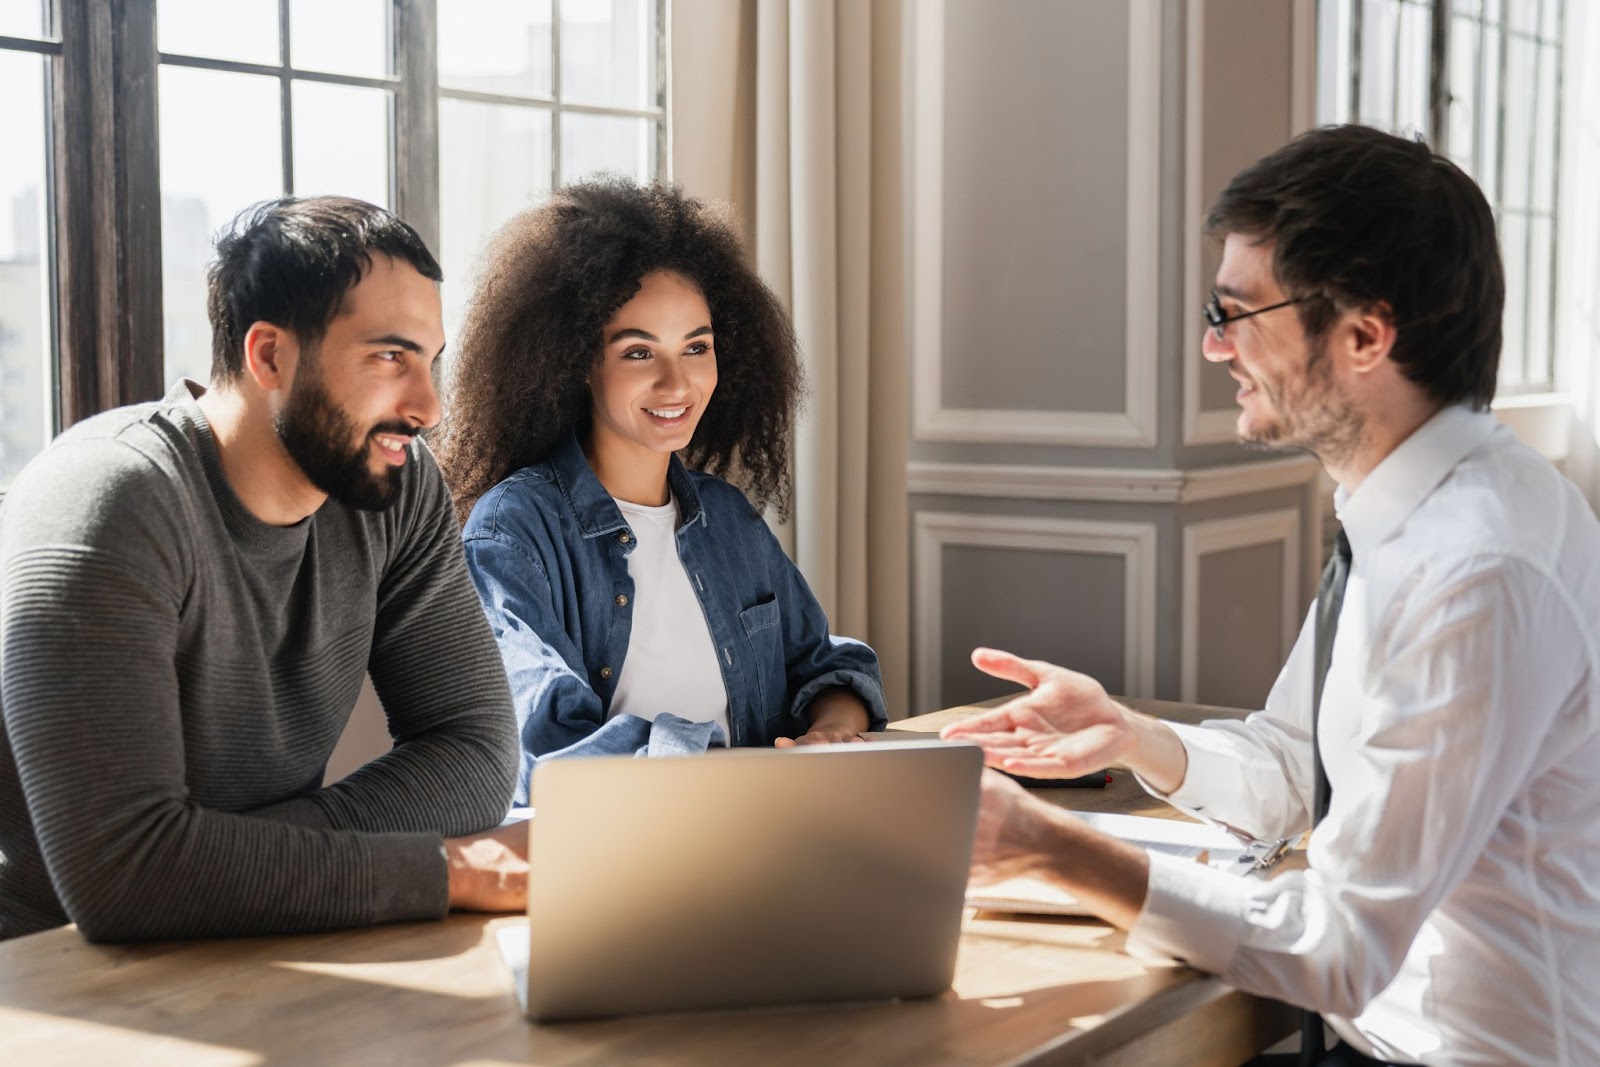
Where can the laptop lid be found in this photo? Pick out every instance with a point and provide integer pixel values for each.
(748, 877)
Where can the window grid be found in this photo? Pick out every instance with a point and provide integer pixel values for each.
(287, 74)
(556, 106)
(1489, 29)
(104, 276)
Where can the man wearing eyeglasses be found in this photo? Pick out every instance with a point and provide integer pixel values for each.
(1438, 720)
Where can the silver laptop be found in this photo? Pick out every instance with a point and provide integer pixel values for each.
(745, 878)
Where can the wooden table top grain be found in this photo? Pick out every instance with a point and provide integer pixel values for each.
(1026, 991)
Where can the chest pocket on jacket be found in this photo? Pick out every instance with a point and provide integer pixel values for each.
(763, 628)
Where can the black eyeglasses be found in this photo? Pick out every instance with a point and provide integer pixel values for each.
(1218, 321)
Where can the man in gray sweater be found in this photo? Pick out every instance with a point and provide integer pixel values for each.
(191, 592)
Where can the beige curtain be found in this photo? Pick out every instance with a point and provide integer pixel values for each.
(829, 238)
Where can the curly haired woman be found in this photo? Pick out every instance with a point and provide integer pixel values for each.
(621, 376)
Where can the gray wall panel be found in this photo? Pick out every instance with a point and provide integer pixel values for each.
(1240, 649)
(1247, 46)
(1063, 607)
(1035, 179)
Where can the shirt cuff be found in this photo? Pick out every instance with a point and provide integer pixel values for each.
(1192, 913)
(1213, 770)
(861, 684)
(410, 878)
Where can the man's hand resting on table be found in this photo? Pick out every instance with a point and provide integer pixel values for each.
(1066, 726)
(489, 872)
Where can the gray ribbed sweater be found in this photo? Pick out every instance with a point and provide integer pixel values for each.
(174, 675)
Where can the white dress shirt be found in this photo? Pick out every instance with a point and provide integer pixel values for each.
(1451, 909)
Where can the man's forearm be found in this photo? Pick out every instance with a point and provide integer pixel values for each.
(1157, 756)
(1108, 875)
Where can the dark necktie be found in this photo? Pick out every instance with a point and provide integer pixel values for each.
(1330, 598)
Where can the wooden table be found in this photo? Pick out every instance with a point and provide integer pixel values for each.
(1034, 992)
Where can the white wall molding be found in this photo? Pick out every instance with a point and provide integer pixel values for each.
(1135, 543)
(1200, 427)
(1019, 482)
(1216, 425)
(1134, 485)
(1136, 425)
(1248, 531)
(1216, 483)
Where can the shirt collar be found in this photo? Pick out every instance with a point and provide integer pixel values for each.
(1405, 477)
(597, 513)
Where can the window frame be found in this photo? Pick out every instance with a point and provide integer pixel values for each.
(103, 182)
(1343, 52)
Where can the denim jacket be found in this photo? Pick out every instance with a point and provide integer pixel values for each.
(548, 551)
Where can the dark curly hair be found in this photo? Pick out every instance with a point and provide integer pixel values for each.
(552, 278)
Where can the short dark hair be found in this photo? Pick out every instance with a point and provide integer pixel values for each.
(1362, 218)
(291, 261)
(551, 279)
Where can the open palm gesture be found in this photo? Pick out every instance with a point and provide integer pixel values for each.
(1063, 727)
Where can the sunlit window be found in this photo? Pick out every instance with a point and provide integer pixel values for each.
(27, 346)
(273, 99)
(1480, 80)
(529, 100)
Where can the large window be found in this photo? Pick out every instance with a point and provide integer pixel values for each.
(133, 133)
(544, 92)
(1480, 80)
(291, 98)
(27, 336)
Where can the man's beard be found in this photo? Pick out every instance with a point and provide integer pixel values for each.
(1312, 415)
(323, 441)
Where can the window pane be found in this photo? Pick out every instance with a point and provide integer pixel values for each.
(1541, 357)
(1518, 131)
(1489, 131)
(341, 141)
(248, 33)
(1379, 33)
(1411, 77)
(1544, 134)
(608, 52)
(27, 408)
(22, 18)
(1550, 19)
(1463, 126)
(1514, 250)
(1522, 16)
(494, 160)
(210, 123)
(496, 46)
(591, 143)
(343, 36)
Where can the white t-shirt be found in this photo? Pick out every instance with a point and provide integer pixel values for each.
(671, 664)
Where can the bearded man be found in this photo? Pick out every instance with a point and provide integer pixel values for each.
(192, 590)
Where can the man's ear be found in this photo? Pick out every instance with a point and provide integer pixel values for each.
(1371, 334)
(270, 355)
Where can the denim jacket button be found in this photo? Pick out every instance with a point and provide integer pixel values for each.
(622, 600)
(605, 672)
(623, 539)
